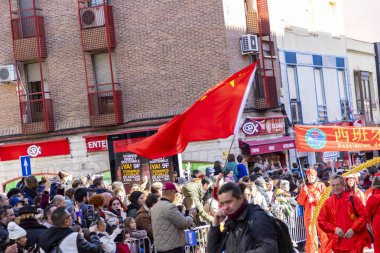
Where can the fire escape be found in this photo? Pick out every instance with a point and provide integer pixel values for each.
(265, 90)
(29, 48)
(98, 38)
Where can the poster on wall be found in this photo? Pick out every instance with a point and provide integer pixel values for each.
(161, 170)
(129, 169)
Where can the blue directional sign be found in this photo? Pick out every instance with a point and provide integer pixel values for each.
(26, 166)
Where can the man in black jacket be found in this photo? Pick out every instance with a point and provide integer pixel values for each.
(6, 215)
(247, 229)
(66, 239)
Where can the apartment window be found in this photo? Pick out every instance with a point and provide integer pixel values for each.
(293, 88)
(295, 104)
(342, 85)
(103, 71)
(34, 82)
(320, 91)
(26, 7)
(364, 94)
(35, 91)
(268, 49)
(343, 95)
(320, 94)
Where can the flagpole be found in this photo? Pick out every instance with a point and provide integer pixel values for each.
(229, 151)
(241, 110)
(243, 102)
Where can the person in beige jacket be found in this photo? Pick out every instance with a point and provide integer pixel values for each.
(193, 194)
(168, 223)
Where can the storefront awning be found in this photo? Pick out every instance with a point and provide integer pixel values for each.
(269, 146)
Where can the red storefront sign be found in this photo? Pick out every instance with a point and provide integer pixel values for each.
(268, 125)
(119, 146)
(35, 149)
(96, 143)
(271, 145)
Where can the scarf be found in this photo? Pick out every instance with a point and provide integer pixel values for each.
(238, 212)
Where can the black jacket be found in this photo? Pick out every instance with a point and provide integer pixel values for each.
(54, 235)
(252, 232)
(3, 236)
(33, 231)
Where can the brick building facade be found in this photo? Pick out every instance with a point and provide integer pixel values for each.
(167, 53)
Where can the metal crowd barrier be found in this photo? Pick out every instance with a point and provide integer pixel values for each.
(197, 239)
(142, 245)
(296, 225)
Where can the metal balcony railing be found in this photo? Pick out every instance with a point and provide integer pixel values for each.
(105, 108)
(36, 113)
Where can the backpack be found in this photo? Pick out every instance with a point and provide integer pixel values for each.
(284, 241)
(56, 248)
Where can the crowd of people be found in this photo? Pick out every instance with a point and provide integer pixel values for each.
(243, 206)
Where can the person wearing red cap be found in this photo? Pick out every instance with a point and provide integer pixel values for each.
(353, 189)
(343, 217)
(373, 209)
(309, 197)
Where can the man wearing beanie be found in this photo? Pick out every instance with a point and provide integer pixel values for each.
(373, 209)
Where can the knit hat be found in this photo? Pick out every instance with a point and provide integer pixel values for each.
(15, 231)
(376, 182)
(181, 180)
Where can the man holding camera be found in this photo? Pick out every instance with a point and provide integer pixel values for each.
(62, 236)
(193, 193)
(168, 223)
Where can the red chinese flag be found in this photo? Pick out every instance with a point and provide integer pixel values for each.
(214, 115)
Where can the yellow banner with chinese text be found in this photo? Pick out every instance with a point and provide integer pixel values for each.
(336, 138)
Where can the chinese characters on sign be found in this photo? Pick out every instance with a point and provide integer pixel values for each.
(335, 138)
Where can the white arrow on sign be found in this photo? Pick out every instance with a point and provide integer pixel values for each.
(26, 165)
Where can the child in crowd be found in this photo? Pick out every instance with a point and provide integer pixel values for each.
(131, 227)
(17, 235)
(108, 241)
(230, 177)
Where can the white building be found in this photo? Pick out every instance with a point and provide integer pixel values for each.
(314, 64)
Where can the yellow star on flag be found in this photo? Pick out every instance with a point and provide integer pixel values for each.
(232, 83)
(203, 98)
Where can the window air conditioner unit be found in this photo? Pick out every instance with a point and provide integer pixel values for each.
(7, 73)
(93, 17)
(248, 44)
